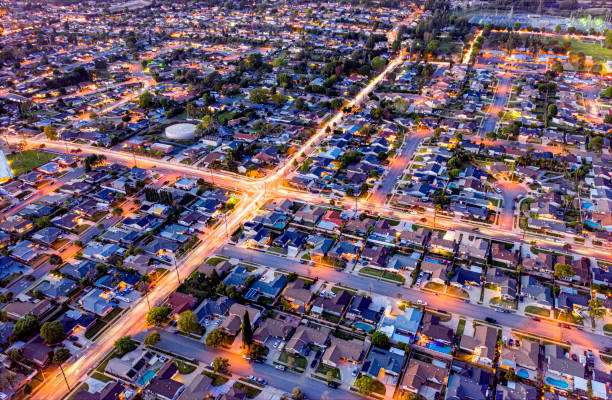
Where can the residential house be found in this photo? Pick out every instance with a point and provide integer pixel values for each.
(266, 288)
(272, 328)
(505, 283)
(482, 345)
(433, 330)
(298, 294)
(340, 350)
(381, 362)
(97, 302)
(334, 305)
(163, 386)
(524, 356)
(422, 377)
(305, 336)
(538, 293)
(181, 302)
(403, 327)
(472, 383)
(361, 308)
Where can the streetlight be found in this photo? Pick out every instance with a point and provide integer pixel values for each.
(178, 277)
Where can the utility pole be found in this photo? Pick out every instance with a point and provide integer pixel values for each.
(178, 278)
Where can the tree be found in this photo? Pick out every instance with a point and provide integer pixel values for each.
(221, 364)
(510, 375)
(552, 110)
(188, 322)
(25, 326)
(297, 394)
(50, 132)
(564, 271)
(54, 259)
(124, 345)
(596, 309)
(60, 356)
(595, 143)
(558, 29)
(557, 67)
(145, 100)
(365, 384)
(247, 331)
(329, 376)
(117, 211)
(378, 63)
(157, 315)
(215, 338)
(152, 338)
(380, 340)
(52, 332)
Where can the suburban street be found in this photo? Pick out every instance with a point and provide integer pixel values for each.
(500, 98)
(440, 302)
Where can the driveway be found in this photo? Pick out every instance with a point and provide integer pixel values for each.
(509, 191)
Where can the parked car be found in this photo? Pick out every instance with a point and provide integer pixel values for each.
(280, 367)
(535, 318)
(313, 363)
(491, 320)
(332, 385)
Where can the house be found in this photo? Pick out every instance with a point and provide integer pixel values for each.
(6, 330)
(47, 235)
(472, 383)
(309, 215)
(374, 256)
(305, 336)
(112, 391)
(538, 293)
(181, 302)
(37, 352)
(482, 345)
(334, 305)
(433, 330)
(476, 249)
(97, 302)
(525, 356)
(198, 388)
(360, 309)
(237, 277)
(342, 350)
(418, 238)
(572, 301)
(97, 251)
(505, 283)
(465, 276)
(266, 288)
(163, 386)
(422, 377)
(344, 251)
(381, 361)
(234, 394)
(80, 270)
(298, 294)
(272, 328)
(500, 254)
(438, 243)
(560, 366)
(19, 309)
(318, 245)
(210, 309)
(56, 287)
(236, 313)
(516, 391)
(73, 319)
(435, 268)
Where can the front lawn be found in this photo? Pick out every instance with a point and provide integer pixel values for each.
(217, 380)
(543, 312)
(251, 392)
(323, 369)
(393, 276)
(184, 368)
(299, 362)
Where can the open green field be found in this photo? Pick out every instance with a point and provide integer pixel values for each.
(590, 49)
(27, 160)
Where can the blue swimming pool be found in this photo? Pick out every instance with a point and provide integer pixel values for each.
(433, 260)
(522, 373)
(439, 349)
(146, 377)
(362, 326)
(586, 206)
(557, 382)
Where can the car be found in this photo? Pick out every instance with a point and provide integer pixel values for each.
(535, 318)
(280, 367)
(491, 320)
(498, 190)
(302, 261)
(355, 371)
(251, 377)
(312, 263)
(73, 338)
(262, 381)
(246, 357)
(467, 300)
(275, 345)
(332, 385)
(421, 302)
(258, 361)
(574, 357)
(476, 229)
(510, 342)
(313, 363)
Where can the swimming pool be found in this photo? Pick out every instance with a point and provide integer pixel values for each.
(432, 260)
(365, 327)
(557, 382)
(586, 206)
(438, 348)
(146, 377)
(522, 373)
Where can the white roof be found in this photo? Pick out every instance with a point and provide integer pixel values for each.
(180, 131)
(5, 168)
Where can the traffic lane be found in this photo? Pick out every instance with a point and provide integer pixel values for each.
(445, 303)
(283, 380)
